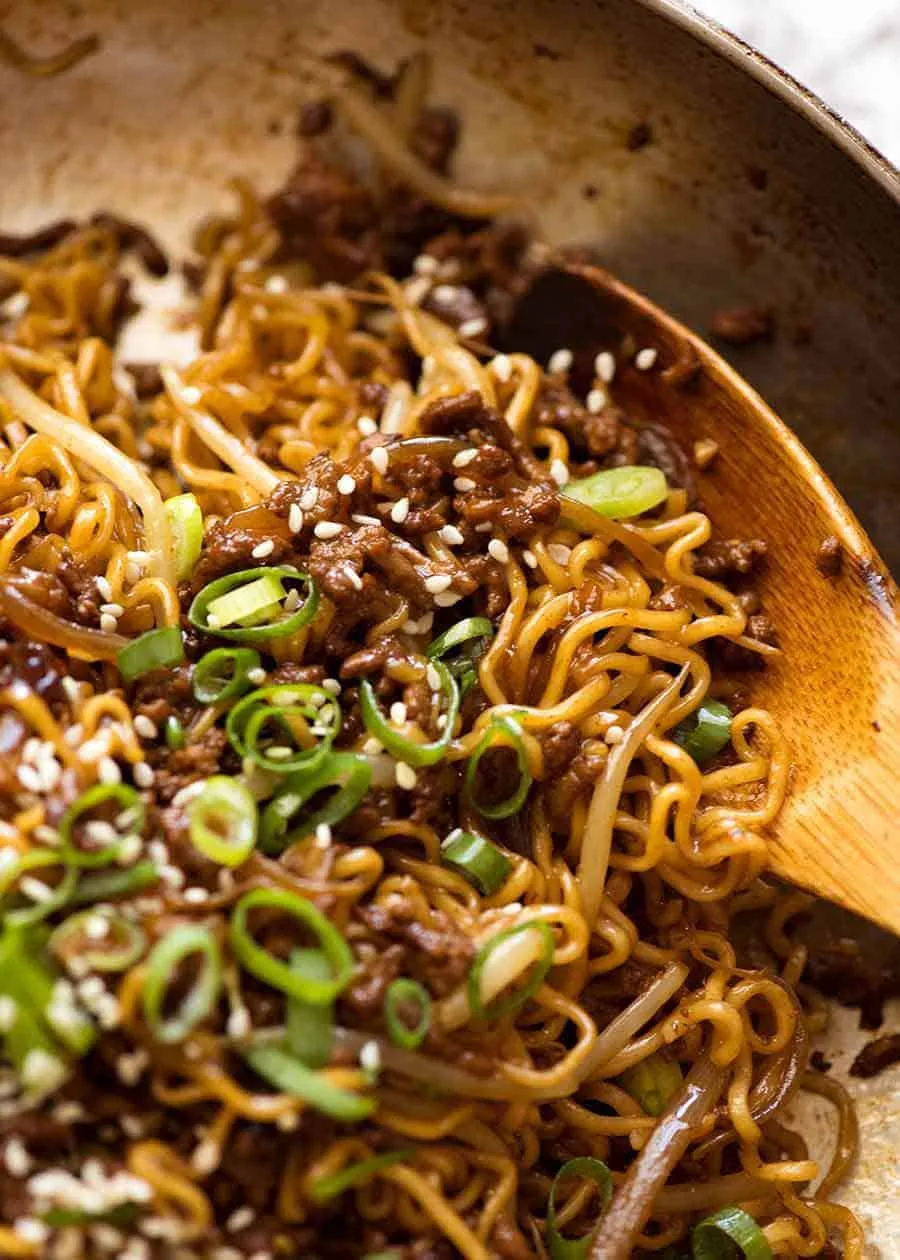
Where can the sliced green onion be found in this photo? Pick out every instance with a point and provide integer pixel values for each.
(121, 1216)
(593, 1170)
(517, 999)
(34, 1055)
(163, 965)
(157, 649)
(349, 774)
(297, 712)
(728, 1234)
(120, 943)
(127, 803)
(472, 631)
(33, 912)
(221, 674)
(275, 1065)
(247, 606)
(501, 732)
(706, 731)
(309, 1025)
(408, 750)
(174, 731)
(478, 860)
(326, 1188)
(295, 983)
(652, 1082)
(620, 492)
(107, 885)
(223, 820)
(403, 993)
(186, 525)
(27, 979)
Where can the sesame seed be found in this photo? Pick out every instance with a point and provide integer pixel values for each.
(400, 511)
(438, 583)
(287, 1122)
(257, 675)
(370, 1056)
(425, 265)
(559, 552)
(29, 778)
(433, 677)
(645, 359)
(332, 685)
(31, 1230)
(446, 599)
(445, 293)
(596, 401)
(35, 889)
(346, 484)
(275, 284)
(559, 472)
(114, 610)
(451, 535)
(16, 1158)
(206, 1156)
(560, 361)
(463, 484)
(366, 426)
(327, 529)
(472, 327)
(530, 559)
(605, 366)
(96, 927)
(263, 549)
(372, 747)
(379, 459)
(308, 499)
(145, 726)
(142, 774)
(295, 518)
(398, 712)
(238, 1025)
(463, 458)
(360, 518)
(405, 776)
(108, 623)
(502, 367)
(104, 588)
(72, 688)
(195, 896)
(499, 550)
(353, 578)
(614, 735)
(108, 771)
(191, 394)
(323, 835)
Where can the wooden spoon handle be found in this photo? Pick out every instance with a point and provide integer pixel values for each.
(839, 833)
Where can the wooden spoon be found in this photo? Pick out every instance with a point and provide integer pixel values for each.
(835, 688)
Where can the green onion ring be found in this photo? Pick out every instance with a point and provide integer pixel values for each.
(309, 1027)
(594, 1170)
(477, 859)
(517, 999)
(307, 701)
(106, 885)
(281, 975)
(499, 727)
(727, 1233)
(280, 628)
(165, 957)
(620, 493)
(127, 800)
(174, 732)
(157, 649)
(275, 1065)
(398, 993)
(72, 940)
(705, 732)
(326, 1188)
(221, 674)
(186, 526)
(223, 821)
(652, 1082)
(351, 775)
(414, 754)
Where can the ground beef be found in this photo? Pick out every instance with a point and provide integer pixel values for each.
(830, 556)
(839, 968)
(135, 238)
(876, 1055)
(146, 377)
(198, 759)
(741, 325)
(595, 434)
(657, 446)
(19, 244)
(728, 557)
(561, 743)
(439, 954)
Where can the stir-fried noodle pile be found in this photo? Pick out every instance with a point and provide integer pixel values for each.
(378, 804)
